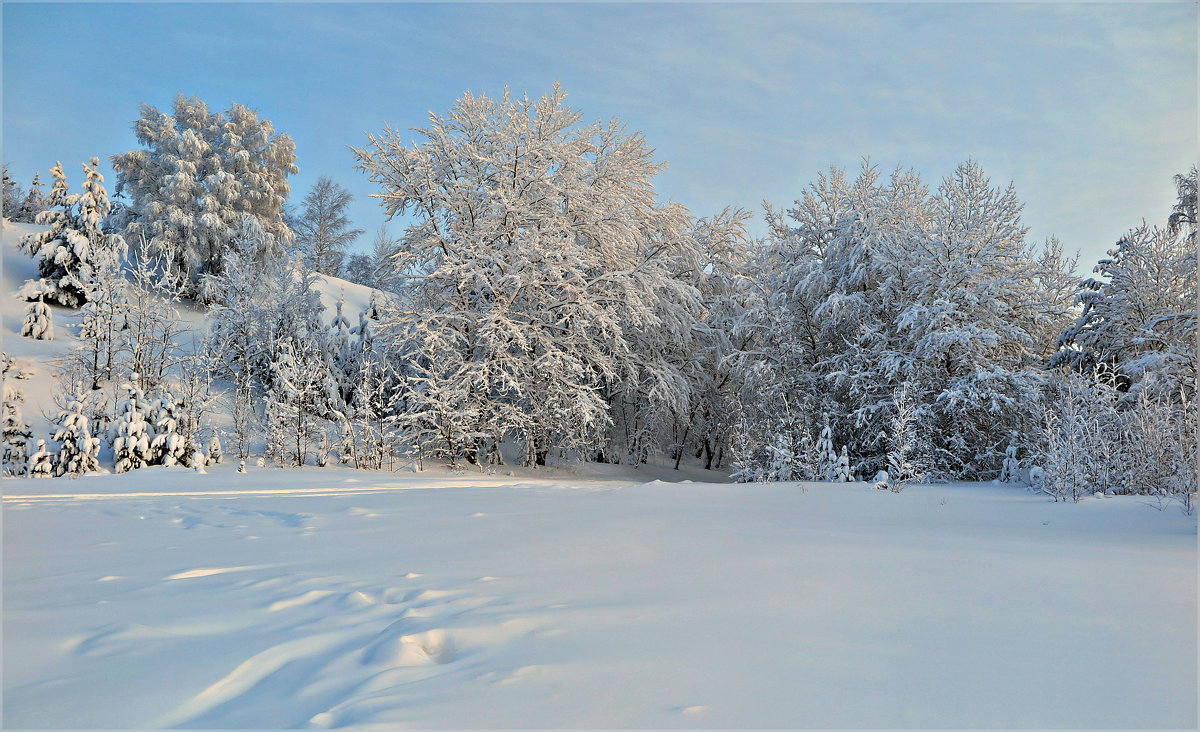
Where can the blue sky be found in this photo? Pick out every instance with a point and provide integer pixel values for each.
(1088, 108)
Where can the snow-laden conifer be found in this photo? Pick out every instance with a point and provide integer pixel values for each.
(38, 324)
(79, 451)
(130, 433)
(16, 433)
(41, 462)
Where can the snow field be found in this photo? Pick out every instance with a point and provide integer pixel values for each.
(335, 598)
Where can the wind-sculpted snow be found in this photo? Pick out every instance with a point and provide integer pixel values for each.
(334, 598)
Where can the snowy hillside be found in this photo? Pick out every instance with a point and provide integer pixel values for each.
(38, 357)
(336, 598)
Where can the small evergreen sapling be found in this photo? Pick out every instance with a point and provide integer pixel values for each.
(41, 462)
(80, 451)
(16, 433)
(131, 441)
(214, 450)
(38, 325)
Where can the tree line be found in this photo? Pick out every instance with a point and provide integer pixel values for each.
(545, 303)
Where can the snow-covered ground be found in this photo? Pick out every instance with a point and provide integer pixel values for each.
(331, 597)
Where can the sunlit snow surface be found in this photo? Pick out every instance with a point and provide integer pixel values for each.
(330, 597)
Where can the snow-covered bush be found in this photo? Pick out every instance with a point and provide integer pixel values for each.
(1095, 439)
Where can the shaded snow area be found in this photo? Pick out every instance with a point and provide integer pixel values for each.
(329, 598)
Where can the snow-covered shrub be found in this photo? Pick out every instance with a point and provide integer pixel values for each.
(781, 450)
(1095, 437)
(39, 324)
(80, 451)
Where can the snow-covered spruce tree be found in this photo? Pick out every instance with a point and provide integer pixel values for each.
(41, 462)
(39, 324)
(16, 433)
(537, 252)
(130, 433)
(827, 457)
(80, 451)
(215, 455)
(842, 472)
(198, 177)
(168, 446)
(74, 243)
(33, 203)
(322, 229)
(12, 196)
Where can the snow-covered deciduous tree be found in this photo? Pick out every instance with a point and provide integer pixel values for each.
(875, 282)
(79, 451)
(38, 324)
(322, 229)
(907, 460)
(151, 329)
(1139, 315)
(538, 253)
(199, 177)
(298, 388)
(100, 338)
